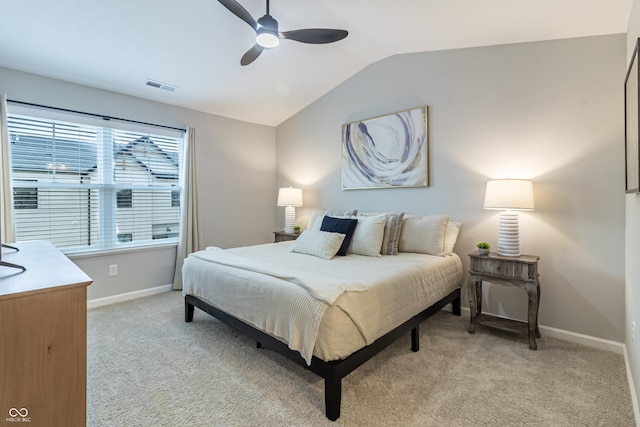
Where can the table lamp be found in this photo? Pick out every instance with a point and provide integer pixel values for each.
(509, 196)
(290, 198)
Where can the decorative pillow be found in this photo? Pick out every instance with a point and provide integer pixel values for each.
(315, 221)
(392, 228)
(318, 243)
(314, 218)
(423, 234)
(451, 235)
(367, 237)
(340, 225)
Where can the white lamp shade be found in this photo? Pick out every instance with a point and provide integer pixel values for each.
(509, 194)
(290, 197)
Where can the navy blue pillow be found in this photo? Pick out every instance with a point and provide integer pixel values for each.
(344, 226)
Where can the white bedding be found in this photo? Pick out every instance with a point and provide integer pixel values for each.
(375, 294)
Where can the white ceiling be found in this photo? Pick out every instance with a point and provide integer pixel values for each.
(196, 45)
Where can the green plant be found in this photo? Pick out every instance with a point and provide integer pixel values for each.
(296, 228)
(483, 245)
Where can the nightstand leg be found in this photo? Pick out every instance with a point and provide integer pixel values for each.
(533, 316)
(538, 308)
(472, 293)
(478, 288)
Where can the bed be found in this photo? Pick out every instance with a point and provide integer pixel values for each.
(325, 312)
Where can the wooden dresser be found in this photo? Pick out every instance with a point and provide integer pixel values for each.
(43, 338)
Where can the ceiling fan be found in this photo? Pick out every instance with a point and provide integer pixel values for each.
(268, 36)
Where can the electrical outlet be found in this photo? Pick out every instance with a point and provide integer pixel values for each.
(113, 270)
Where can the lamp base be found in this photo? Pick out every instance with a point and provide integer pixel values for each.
(508, 234)
(289, 219)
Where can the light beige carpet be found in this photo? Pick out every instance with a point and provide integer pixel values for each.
(147, 367)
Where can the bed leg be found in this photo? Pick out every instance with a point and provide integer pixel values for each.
(332, 397)
(455, 307)
(415, 339)
(188, 311)
(258, 345)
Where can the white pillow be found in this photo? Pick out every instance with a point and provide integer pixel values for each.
(451, 235)
(368, 235)
(392, 227)
(423, 234)
(318, 243)
(315, 220)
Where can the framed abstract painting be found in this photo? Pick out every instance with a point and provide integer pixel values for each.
(388, 151)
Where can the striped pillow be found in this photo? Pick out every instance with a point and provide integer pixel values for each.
(392, 228)
(318, 243)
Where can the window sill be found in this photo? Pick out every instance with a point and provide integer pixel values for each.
(106, 252)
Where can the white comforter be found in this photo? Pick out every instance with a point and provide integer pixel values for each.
(287, 294)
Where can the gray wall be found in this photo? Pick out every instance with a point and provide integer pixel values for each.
(548, 111)
(235, 171)
(632, 246)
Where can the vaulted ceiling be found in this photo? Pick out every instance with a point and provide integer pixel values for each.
(196, 45)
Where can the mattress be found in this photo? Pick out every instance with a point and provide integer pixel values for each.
(374, 294)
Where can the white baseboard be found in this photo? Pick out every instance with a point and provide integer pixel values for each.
(99, 302)
(589, 341)
(632, 388)
(574, 337)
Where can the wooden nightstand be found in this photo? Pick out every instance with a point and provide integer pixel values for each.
(521, 271)
(281, 236)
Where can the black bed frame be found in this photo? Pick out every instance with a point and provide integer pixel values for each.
(333, 371)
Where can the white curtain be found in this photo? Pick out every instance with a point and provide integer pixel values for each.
(190, 239)
(7, 233)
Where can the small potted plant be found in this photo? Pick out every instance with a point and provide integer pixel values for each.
(296, 229)
(483, 248)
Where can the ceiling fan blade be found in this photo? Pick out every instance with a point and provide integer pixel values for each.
(314, 35)
(237, 9)
(251, 55)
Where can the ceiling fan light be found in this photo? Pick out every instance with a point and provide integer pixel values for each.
(267, 32)
(267, 39)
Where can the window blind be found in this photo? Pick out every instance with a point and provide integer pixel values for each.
(86, 187)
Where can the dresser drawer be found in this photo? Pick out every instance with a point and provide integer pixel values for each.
(493, 266)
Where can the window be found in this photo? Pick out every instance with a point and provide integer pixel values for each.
(93, 188)
(175, 199)
(165, 231)
(25, 197)
(124, 199)
(125, 237)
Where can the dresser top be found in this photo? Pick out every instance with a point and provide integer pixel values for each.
(47, 270)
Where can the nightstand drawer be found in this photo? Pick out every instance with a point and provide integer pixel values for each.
(281, 236)
(492, 265)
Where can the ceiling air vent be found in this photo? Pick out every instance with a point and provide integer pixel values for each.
(158, 85)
